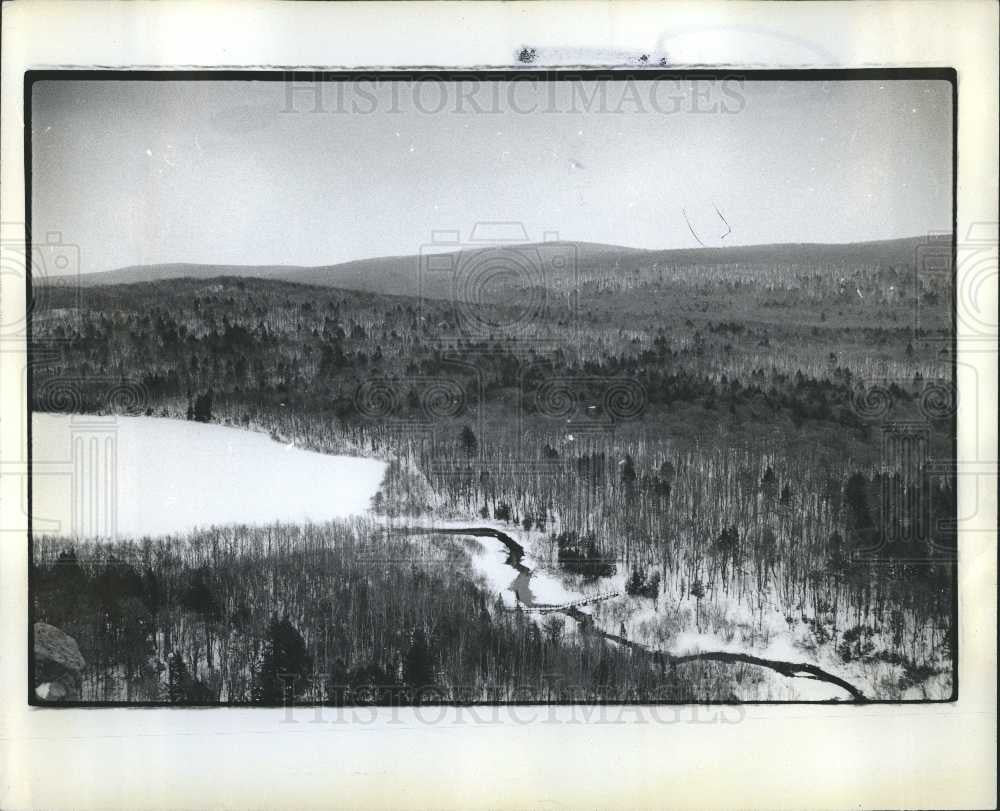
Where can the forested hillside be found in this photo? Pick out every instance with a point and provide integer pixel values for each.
(732, 429)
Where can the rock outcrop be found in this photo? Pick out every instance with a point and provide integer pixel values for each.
(58, 665)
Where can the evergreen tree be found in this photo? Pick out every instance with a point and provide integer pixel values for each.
(769, 483)
(286, 665)
(856, 496)
(786, 495)
(202, 411)
(418, 666)
(629, 476)
(469, 442)
(698, 592)
(182, 688)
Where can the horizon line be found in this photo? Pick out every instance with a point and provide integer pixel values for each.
(459, 247)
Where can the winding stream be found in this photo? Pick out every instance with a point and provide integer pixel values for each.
(520, 586)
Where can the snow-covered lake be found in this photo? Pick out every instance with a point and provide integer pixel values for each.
(126, 477)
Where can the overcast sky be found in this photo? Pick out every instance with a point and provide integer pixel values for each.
(258, 173)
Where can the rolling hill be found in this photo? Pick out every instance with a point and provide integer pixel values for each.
(494, 270)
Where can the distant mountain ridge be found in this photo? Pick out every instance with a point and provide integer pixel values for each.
(546, 263)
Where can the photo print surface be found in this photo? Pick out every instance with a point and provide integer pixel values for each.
(505, 388)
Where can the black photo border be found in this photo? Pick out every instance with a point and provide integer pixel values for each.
(319, 74)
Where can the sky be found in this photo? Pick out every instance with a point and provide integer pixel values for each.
(257, 172)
